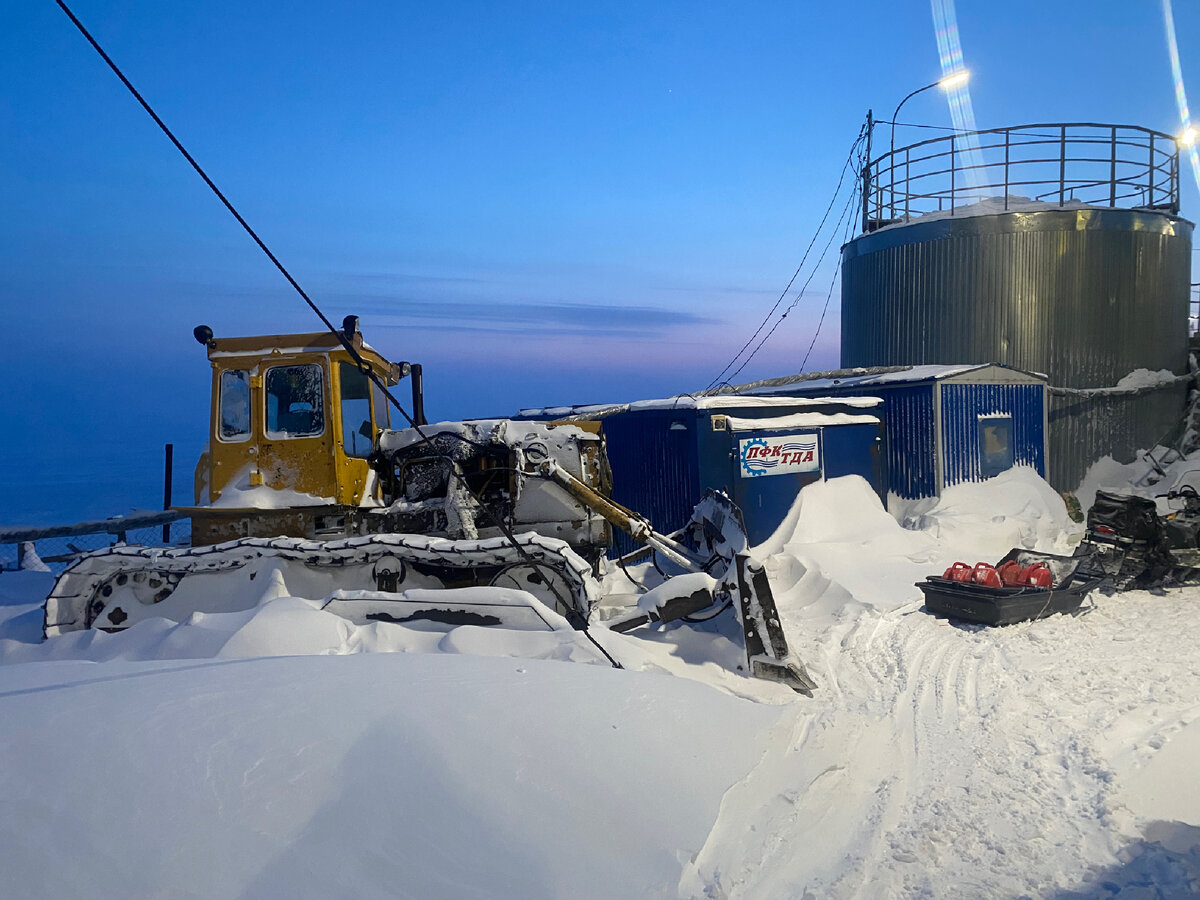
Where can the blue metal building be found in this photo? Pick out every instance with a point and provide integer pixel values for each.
(946, 424)
(760, 450)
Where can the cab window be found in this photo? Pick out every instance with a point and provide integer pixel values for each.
(234, 406)
(355, 388)
(382, 412)
(295, 401)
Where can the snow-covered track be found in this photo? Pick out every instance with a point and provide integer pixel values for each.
(118, 586)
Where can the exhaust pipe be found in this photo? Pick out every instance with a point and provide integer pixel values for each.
(418, 394)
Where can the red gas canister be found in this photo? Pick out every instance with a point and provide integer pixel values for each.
(960, 571)
(1010, 574)
(1038, 575)
(985, 574)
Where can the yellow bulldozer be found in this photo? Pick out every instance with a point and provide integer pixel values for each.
(301, 444)
(306, 488)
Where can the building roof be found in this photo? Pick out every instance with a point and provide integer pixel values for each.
(842, 379)
(686, 401)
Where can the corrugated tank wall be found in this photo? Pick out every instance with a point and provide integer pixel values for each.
(1085, 296)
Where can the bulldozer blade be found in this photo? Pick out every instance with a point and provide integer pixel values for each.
(792, 674)
(767, 653)
(718, 530)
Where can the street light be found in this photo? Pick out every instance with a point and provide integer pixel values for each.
(953, 80)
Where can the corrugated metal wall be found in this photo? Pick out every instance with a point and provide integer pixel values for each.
(656, 470)
(911, 448)
(765, 500)
(962, 407)
(1131, 423)
(1085, 296)
(662, 472)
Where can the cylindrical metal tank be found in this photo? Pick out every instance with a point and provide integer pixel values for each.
(1084, 295)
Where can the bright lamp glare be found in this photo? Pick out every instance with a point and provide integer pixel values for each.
(955, 80)
(1188, 137)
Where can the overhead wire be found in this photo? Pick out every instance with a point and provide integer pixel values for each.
(800, 294)
(829, 294)
(720, 379)
(345, 342)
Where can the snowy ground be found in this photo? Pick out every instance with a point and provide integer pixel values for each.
(285, 752)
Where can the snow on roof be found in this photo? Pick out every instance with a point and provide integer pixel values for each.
(799, 420)
(1139, 381)
(906, 375)
(285, 345)
(686, 401)
(990, 206)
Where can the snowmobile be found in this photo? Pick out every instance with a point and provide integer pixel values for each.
(1182, 523)
(1135, 548)
(304, 488)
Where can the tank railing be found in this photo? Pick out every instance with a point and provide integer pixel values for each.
(1078, 162)
(1160, 183)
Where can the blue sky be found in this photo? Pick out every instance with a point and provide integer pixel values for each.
(544, 203)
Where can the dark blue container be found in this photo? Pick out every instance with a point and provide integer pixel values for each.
(759, 450)
(947, 424)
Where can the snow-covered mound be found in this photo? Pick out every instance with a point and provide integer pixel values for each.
(838, 546)
(288, 626)
(381, 775)
(1015, 509)
(283, 751)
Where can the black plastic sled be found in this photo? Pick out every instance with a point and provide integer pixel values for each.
(985, 605)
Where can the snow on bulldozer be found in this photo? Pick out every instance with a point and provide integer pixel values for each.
(305, 489)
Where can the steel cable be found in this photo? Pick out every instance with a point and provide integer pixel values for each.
(720, 379)
(829, 295)
(340, 335)
(800, 294)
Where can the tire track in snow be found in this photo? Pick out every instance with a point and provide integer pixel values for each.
(955, 760)
(914, 768)
(929, 715)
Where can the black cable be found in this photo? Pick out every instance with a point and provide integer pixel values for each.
(832, 200)
(828, 296)
(720, 377)
(340, 335)
(699, 620)
(800, 295)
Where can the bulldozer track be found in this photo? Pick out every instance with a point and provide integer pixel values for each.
(72, 604)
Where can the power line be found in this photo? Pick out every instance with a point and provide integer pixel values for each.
(341, 337)
(800, 295)
(828, 296)
(832, 200)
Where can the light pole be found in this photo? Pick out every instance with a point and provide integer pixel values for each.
(952, 81)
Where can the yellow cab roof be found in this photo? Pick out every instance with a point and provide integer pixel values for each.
(267, 345)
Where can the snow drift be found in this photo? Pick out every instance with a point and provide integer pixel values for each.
(283, 751)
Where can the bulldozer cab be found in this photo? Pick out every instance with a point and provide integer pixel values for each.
(293, 419)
